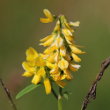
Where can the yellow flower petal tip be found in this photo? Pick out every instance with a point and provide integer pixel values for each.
(36, 79)
(27, 74)
(76, 58)
(74, 67)
(75, 24)
(63, 64)
(31, 54)
(76, 50)
(47, 86)
(49, 17)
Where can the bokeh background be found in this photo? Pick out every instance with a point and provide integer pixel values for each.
(20, 28)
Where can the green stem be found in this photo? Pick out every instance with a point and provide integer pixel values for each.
(54, 93)
(60, 99)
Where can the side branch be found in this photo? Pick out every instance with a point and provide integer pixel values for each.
(92, 91)
(8, 94)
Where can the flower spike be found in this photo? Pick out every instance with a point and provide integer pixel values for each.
(59, 59)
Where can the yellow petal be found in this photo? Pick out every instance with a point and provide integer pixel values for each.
(57, 27)
(62, 51)
(51, 58)
(62, 77)
(57, 57)
(76, 50)
(67, 32)
(31, 54)
(50, 65)
(63, 64)
(61, 83)
(45, 20)
(56, 76)
(50, 49)
(68, 26)
(75, 24)
(40, 61)
(68, 74)
(47, 85)
(46, 38)
(55, 70)
(76, 58)
(48, 42)
(41, 72)
(36, 79)
(48, 14)
(69, 39)
(27, 67)
(67, 57)
(74, 67)
(27, 74)
(59, 41)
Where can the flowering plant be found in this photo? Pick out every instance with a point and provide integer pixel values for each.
(57, 62)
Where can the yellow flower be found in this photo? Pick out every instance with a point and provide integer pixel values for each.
(50, 65)
(76, 50)
(66, 32)
(47, 85)
(68, 35)
(58, 76)
(39, 61)
(76, 58)
(54, 70)
(31, 54)
(75, 24)
(39, 74)
(27, 74)
(58, 41)
(51, 57)
(63, 51)
(68, 74)
(35, 65)
(63, 64)
(66, 24)
(57, 27)
(48, 40)
(50, 49)
(49, 17)
(74, 67)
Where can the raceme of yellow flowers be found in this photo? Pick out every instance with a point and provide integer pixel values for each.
(59, 60)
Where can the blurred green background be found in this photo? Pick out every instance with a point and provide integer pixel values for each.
(20, 28)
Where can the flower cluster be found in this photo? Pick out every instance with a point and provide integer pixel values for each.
(60, 57)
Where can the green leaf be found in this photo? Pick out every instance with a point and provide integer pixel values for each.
(27, 90)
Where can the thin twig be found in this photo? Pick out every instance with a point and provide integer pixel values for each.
(8, 94)
(92, 92)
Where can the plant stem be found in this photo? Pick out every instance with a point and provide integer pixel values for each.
(60, 99)
(54, 93)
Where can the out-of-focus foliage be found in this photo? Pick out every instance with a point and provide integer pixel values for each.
(20, 28)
